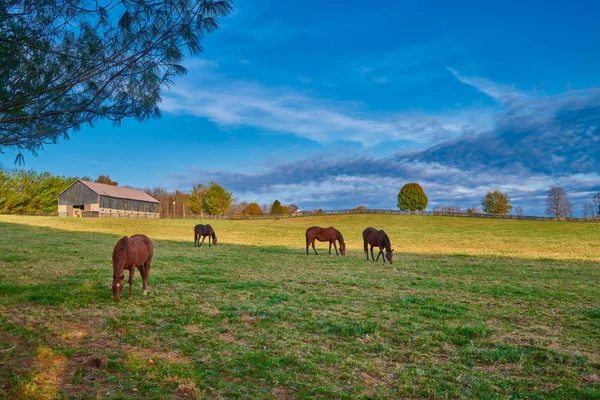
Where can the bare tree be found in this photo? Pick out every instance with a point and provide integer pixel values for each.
(519, 211)
(587, 210)
(265, 208)
(595, 205)
(557, 204)
(570, 210)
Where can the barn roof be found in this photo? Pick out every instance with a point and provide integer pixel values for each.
(118, 192)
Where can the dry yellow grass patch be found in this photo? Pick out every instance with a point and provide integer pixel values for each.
(48, 376)
(409, 234)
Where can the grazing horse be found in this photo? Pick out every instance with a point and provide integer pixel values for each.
(129, 253)
(325, 235)
(375, 238)
(204, 231)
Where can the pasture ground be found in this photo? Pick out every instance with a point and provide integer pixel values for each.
(470, 309)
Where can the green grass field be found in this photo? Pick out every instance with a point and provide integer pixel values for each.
(469, 309)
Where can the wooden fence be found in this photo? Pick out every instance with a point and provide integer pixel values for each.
(376, 211)
(334, 212)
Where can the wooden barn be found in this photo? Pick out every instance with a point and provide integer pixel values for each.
(90, 199)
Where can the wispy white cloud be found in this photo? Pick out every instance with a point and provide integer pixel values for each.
(282, 110)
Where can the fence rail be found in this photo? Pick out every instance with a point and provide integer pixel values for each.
(327, 212)
(377, 211)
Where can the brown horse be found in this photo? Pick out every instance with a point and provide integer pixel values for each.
(204, 231)
(375, 238)
(325, 235)
(131, 252)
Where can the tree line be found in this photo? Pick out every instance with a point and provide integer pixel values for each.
(30, 192)
(412, 197)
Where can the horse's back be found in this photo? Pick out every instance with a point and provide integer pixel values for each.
(367, 231)
(313, 230)
(199, 228)
(143, 246)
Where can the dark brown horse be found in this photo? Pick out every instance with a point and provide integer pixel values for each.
(375, 238)
(204, 231)
(325, 235)
(129, 253)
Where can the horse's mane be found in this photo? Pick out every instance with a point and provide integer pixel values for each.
(340, 237)
(386, 241)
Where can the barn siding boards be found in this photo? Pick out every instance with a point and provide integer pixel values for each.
(78, 194)
(90, 199)
(128, 205)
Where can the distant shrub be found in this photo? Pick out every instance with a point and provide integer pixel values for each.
(276, 208)
(496, 202)
(412, 197)
(253, 209)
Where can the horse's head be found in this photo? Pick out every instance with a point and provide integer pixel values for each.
(214, 240)
(389, 255)
(343, 249)
(117, 287)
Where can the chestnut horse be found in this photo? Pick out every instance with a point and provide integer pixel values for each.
(325, 235)
(375, 238)
(131, 252)
(204, 231)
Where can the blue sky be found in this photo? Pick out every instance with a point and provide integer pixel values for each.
(339, 103)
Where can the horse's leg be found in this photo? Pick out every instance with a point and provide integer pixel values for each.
(366, 245)
(372, 256)
(313, 246)
(307, 244)
(195, 239)
(131, 272)
(203, 237)
(145, 276)
(209, 241)
(380, 253)
(335, 247)
(329, 248)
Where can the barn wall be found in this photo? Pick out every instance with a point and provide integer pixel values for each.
(77, 193)
(128, 205)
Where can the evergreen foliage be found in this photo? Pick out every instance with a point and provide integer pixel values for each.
(65, 64)
(412, 197)
(217, 200)
(276, 208)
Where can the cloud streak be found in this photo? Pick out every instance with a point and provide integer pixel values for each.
(235, 103)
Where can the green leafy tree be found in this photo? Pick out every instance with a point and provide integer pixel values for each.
(412, 197)
(29, 192)
(253, 209)
(195, 201)
(276, 208)
(217, 200)
(66, 63)
(106, 180)
(496, 202)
